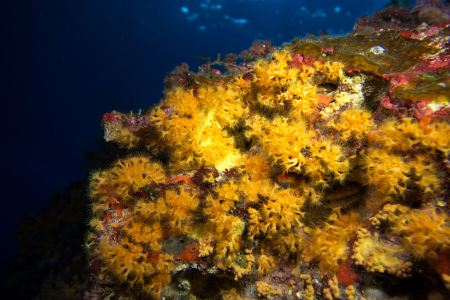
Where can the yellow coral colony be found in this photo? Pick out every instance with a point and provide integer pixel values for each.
(329, 244)
(250, 161)
(397, 159)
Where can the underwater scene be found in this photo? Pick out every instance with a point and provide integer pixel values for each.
(242, 149)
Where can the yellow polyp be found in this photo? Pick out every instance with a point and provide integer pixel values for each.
(181, 101)
(253, 190)
(129, 264)
(100, 189)
(213, 146)
(297, 149)
(425, 169)
(379, 256)
(228, 195)
(275, 73)
(353, 123)
(333, 70)
(151, 211)
(100, 206)
(393, 135)
(386, 172)
(425, 232)
(281, 140)
(408, 133)
(393, 174)
(157, 284)
(329, 245)
(229, 229)
(437, 136)
(144, 233)
(278, 219)
(241, 269)
(241, 83)
(132, 174)
(180, 205)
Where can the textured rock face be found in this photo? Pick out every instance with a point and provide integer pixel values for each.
(315, 170)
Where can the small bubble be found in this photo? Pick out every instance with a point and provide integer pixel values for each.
(376, 50)
(184, 9)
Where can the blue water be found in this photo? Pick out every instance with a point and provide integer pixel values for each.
(72, 61)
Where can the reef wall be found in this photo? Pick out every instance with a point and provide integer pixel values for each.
(315, 170)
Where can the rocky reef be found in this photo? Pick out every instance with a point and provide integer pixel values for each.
(314, 170)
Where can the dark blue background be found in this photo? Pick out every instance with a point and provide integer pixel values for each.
(71, 61)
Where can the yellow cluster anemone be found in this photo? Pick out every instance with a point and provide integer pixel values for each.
(229, 229)
(278, 219)
(150, 211)
(333, 70)
(329, 245)
(436, 136)
(275, 73)
(182, 102)
(298, 149)
(424, 232)
(428, 178)
(100, 189)
(181, 205)
(402, 156)
(257, 166)
(130, 226)
(281, 212)
(224, 201)
(350, 293)
(283, 83)
(280, 140)
(117, 185)
(143, 233)
(195, 127)
(406, 133)
(132, 174)
(381, 255)
(129, 263)
(253, 190)
(387, 172)
(353, 123)
(226, 102)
